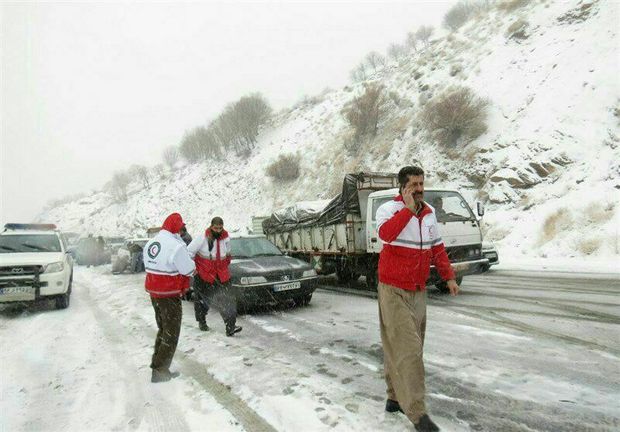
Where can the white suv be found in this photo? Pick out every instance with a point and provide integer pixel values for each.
(34, 264)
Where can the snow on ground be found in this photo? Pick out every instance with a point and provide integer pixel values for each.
(518, 351)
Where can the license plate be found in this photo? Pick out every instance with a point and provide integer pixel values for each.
(17, 293)
(287, 286)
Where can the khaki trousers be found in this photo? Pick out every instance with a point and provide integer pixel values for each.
(168, 314)
(402, 317)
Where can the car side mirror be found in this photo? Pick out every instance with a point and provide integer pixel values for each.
(480, 208)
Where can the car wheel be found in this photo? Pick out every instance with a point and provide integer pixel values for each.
(62, 302)
(305, 300)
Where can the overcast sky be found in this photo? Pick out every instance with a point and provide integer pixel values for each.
(90, 88)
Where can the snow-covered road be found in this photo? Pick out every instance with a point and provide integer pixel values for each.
(517, 351)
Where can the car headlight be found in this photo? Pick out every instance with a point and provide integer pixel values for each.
(308, 273)
(246, 280)
(54, 267)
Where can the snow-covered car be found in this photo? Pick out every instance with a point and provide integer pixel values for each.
(128, 257)
(262, 275)
(112, 244)
(34, 265)
(489, 251)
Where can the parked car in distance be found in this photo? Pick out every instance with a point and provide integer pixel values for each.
(112, 244)
(128, 257)
(34, 265)
(489, 251)
(91, 251)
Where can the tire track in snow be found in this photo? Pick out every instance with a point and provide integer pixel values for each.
(136, 408)
(170, 418)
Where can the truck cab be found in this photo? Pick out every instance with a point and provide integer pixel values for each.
(459, 228)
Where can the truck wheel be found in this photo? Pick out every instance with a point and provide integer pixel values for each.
(346, 276)
(372, 279)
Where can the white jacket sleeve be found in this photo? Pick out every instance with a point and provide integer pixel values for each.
(228, 247)
(183, 261)
(195, 245)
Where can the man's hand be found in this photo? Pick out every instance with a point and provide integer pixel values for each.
(408, 198)
(453, 287)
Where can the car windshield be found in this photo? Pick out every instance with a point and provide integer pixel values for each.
(253, 247)
(29, 243)
(449, 206)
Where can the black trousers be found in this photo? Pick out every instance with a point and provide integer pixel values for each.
(219, 295)
(168, 314)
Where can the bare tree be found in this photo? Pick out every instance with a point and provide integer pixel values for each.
(424, 33)
(375, 60)
(412, 41)
(396, 51)
(118, 185)
(170, 156)
(366, 111)
(359, 73)
(139, 173)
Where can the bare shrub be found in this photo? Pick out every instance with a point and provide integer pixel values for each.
(395, 97)
(199, 144)
(589, 246)
(170, 156)
(359, 73)
(365, 111)
(458, 15)
(285, 168)
(599, 214)
(511, 5)
(455, 69)
(554, 223)
(518, 30)
(457, 116)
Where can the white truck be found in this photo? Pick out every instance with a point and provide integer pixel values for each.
(342, 237)
(34, 264)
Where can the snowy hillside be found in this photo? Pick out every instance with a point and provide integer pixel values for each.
(548, 168)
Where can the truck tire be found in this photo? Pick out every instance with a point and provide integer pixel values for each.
(372, 279)
(346, 275)
(443, 286)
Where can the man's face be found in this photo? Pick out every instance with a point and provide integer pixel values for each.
(416, 183)
(217, 228)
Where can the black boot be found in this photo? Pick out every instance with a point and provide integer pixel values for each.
(230, 331)
(163, 375)
(425, 424)
(202, 325)
(392, 406)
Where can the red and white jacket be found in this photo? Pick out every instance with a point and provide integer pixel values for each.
(213, 262)
(167, 262)
(411, 243)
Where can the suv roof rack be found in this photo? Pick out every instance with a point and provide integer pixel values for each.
(27, 226)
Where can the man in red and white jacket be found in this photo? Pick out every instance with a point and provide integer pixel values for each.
(411, 241)
(212, 254)
(168, 268)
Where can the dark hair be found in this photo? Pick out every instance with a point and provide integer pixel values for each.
(405, 172)
(217, 221)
